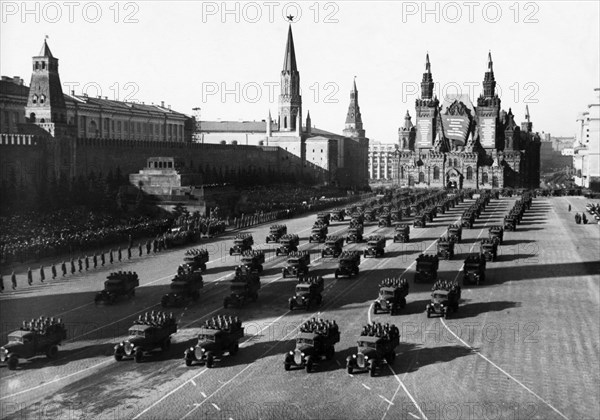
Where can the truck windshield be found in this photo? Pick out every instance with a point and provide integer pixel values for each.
(306, 341)
(367, 344)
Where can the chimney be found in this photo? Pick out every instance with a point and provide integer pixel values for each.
(169, 106)
(162, 104)
(72, 93)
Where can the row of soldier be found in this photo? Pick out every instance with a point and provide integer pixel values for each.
(223, 322)
(377, 329)
(156, 319)
(310, 280)
(86, 262)
(42, 324)
(394, 282)
(445, 285)
(196, 252)
(319, 326)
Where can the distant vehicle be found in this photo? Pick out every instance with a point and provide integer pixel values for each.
(355, 234)
(118, 284)
(488, 249)
(445, 248)
(333, 246)
(348, 264)
(184, 289)
(275, 233)
(427, 267)
(289, 243)
(308, 291)
(297, 264)
(375, 246)
(455, 233)
(242, 242)
(474, 270)
(318, 234)
(243, 288)
(337, 215)
(196, 259)
(402, 233)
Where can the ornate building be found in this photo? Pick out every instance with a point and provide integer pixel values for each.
(458, 145)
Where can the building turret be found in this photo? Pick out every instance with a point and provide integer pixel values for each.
(488, 110)
(427, 110)
(290, 101)
(527, 125)
(427, 82)
(354, 124)
(406, 134)
(489, 82)
(46, 102)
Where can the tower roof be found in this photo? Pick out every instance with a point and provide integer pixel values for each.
(490, 62)
(45, 51)
(289, 60)
(427, 64)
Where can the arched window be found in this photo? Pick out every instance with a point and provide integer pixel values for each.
(43, 65)
(34, 99)
(284, 122)
(421, 177)
(469, 173)
(436, 173)
(37, 65)
(42, 99)
(494, 181)
(402, 173)
(484, 178)
(32, 117)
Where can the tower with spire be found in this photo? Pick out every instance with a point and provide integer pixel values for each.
(354, 124)
(290, 101)
(527, 125)
(427, 110)
(488, 109)
(406, 134)
(46, 102)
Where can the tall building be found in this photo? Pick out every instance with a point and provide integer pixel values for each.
(458, 145)
(586, 153)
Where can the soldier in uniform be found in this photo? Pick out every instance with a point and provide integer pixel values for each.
(13, 279)
(95, 260)
(42, 274)
(53, 271)
(155, 245)
(148, 246)
(102, 259)
(72, 266)
(80, 264)
(29, 276)
(110, 256)
(129, 253)
(63, 267)
(120, 254)
(87, 263)
(140, 249)
(1, 283)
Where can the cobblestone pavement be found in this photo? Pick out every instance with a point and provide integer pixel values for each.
(524, 345)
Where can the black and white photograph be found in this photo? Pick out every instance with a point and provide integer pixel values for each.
(296, 210)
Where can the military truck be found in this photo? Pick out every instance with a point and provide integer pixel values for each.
(40, 336)
(242, 242)
(392, 296)
(148, 332)
(402, 233)
(289, 243)
(348, 264)
(370, 215)
(317, 339)
(445, 297)
(333, 246)
(318, 233)
(496, 234)
(420, 220)
(488, 249)
(243, 288)
(357, 219)
(474, 270)
(118, 284)
(430, 213)
(323, 218)
(196, 258)
(445, 248)
(355, 234)
(275, 233)
(376, 343)
(308, 291)
(455, 233)
(510, 223)
(385, 220)
(396, 215)
(220, 334)
(337, 215)
(184, 288)
(253, 260)
(375, 247)
(467, 220)
(297, 264)
(427, 267)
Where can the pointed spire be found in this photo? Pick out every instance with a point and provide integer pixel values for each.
(407, 121)
(527, 113)
(45, 51)
(427, 63)
(355, 90)
(490, 62)
(427, 81)
(289, 60)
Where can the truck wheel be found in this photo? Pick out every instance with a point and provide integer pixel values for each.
(52, 351)
(286, 366)
(203, 267)
(336, 274)
(376, 309)
(166, 345)
(139, 355)
(234, 349)
(349, 369)
(402, 303)
(210, 360)
(13, 362)
(118, 356)
(372, 368)
(309, 365)
(188, 362)
(428, 313)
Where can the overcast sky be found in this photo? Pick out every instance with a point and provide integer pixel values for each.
(227, 62)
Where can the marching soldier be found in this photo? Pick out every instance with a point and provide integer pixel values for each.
(29, 276)
(80, 264)
(129, 253)
(102, 259)
(95, 260)
(87, 263)
(13, 280)
(42, 274)
(155, 245)
(110, 256)
(130, 241)
(148, 246)
(120, 254)
(72, 266)
(53, 271)
(63, 267)
(1, 284)
(140, 249)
